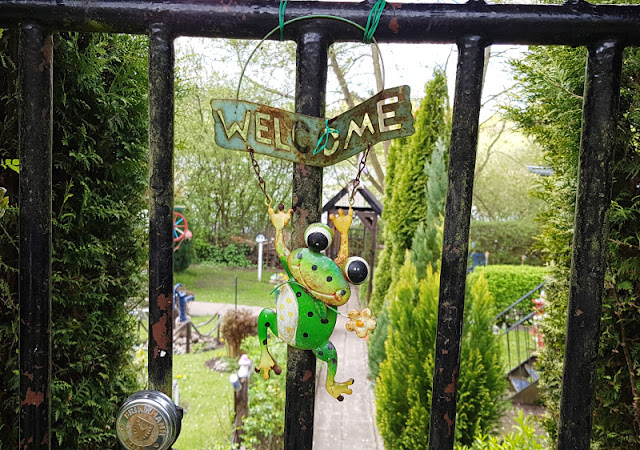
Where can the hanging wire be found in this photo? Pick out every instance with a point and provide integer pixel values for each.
(324, 138)
(373, 20)
(297, 19)
(283, 5)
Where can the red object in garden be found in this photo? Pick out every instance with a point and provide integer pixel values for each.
(180, 226)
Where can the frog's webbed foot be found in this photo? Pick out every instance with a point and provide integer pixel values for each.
(328, 354)
(337, 389)
(342, 222)
(267, 320)
(267, 364)
(281, 218)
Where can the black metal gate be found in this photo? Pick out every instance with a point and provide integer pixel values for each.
(605, 30)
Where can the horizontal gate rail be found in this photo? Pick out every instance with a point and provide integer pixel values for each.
(574, 23)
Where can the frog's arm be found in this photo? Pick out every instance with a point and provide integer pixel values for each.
(279, 221)
(342, 223)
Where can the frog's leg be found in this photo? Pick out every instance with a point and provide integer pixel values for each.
(342, 223)
(327, 353)
(267, 320)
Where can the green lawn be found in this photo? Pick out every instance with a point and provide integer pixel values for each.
(217, 284)
(207, 397)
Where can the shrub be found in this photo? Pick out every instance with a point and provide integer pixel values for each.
(233, 255)
(403, 388)
(264, 426)
(523, 437)
(100, 178)
(506, 241)
(183, 256)
(237, 325)
(508, 283)
(552, 83)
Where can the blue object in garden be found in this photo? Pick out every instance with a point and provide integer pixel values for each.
(180, 299)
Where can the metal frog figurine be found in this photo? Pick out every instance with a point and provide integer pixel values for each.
(306, 313)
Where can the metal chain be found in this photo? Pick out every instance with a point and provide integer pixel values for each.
(261, 183)
(356, 181)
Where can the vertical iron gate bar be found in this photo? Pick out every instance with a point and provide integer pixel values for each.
(161, 58)
(462, 160)
(601, 94)
(35, 153)
(311, 85)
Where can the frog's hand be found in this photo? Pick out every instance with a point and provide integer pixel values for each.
(267, 320)
(342, 223)
(328, 354)
(280, 220)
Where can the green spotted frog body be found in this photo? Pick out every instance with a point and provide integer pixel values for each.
(305, 313)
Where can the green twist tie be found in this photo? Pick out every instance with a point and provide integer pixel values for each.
(324, 139)
(283, 5)
(373, 20)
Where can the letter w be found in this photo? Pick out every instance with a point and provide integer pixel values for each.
(235, 128)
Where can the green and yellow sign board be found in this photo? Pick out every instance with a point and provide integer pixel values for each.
(294, 137)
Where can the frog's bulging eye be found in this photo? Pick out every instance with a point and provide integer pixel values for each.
(356, 270)
(318, 237)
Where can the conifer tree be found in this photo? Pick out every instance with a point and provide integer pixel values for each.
(403, 390)
(100, 179)
(427, 241)
(404, 205)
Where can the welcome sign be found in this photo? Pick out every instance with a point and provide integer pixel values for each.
(294, 137)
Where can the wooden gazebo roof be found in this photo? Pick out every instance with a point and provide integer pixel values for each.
(364, 200)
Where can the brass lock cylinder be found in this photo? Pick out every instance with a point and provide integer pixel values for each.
(148, 420)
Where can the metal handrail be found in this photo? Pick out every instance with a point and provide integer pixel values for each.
(520, 300)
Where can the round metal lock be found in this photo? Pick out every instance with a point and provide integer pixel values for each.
(148, 420)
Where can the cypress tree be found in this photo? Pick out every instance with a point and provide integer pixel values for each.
(427, 242)
(404, 205)
(403, 390)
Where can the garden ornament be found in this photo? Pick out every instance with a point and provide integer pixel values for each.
(306, 313)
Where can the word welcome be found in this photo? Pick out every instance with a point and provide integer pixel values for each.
(290, 136)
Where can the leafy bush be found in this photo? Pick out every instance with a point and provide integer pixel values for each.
(183, 256)
(100, 178)
(403, 388)
(233, 255)
(508, 283)
(523, 437)
(506, 241)
(264, 426)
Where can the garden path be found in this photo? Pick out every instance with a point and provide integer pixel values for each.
(351, 423)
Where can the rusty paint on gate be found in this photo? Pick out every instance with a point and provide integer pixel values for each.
(294, 137)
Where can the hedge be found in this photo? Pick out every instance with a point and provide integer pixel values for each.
(508, 283)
